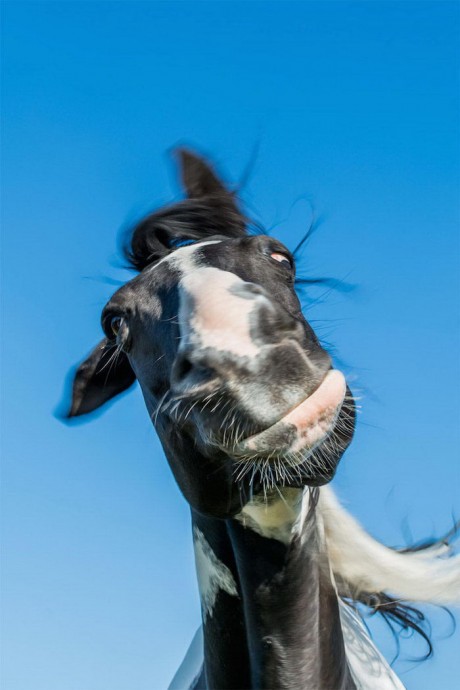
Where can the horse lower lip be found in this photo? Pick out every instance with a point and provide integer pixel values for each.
(305, 426)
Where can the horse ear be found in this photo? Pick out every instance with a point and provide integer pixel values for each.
(209, 210)
(198, 177)
(104, 374)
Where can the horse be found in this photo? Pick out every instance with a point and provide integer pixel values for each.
(253, 419)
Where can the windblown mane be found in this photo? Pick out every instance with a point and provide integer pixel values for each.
(384, 579)
(209, 209)
(190, 219)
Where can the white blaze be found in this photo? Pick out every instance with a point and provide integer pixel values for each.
(212, 316)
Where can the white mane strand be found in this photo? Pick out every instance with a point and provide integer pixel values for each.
(368, 566)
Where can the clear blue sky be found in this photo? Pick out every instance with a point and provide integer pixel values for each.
(355, 107)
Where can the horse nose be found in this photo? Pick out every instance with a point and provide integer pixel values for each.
(225, 323)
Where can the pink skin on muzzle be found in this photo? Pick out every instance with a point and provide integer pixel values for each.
(312, 420)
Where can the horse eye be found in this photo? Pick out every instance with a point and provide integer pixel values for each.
(115, 324)
(282, 259)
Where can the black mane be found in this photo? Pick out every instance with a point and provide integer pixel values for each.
(192, 219)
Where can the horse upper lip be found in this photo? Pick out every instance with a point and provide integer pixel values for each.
(327, 396)
(288, 412)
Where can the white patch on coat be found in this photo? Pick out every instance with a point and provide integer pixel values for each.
(182, 258)
(369, 566)
(369, 669)
(278, 515)
(212, 574)
(212, 315)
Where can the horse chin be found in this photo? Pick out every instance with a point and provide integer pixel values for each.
(305, 446)
(302, 448)
(308, 467)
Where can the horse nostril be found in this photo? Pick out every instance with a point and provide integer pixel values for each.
(182, 368)
(187, 374)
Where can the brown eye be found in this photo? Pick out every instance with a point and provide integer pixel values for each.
(282, 259)
(115, 325)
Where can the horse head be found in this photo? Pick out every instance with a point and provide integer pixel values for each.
(242, 394)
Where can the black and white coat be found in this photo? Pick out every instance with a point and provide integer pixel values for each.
(254, 420)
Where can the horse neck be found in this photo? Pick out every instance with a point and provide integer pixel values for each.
(270, 611)
(226, 658)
